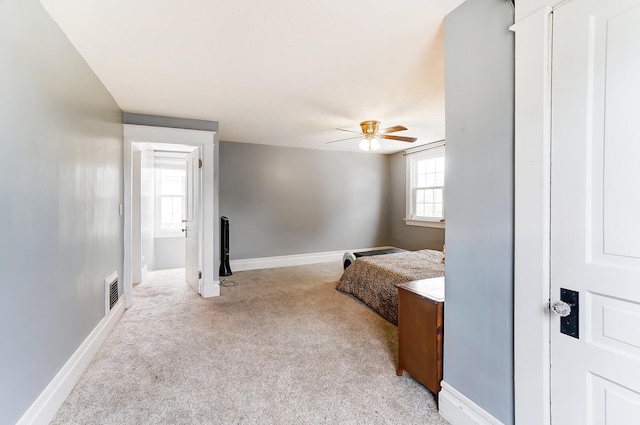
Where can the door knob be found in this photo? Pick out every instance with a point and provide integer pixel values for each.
(561, 308)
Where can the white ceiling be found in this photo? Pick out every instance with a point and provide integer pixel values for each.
(278, 72)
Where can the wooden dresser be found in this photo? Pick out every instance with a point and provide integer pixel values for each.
(420, 330)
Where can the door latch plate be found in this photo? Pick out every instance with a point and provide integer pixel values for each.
(569, 325)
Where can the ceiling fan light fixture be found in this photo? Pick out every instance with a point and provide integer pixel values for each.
(374, 144)
(369, 144)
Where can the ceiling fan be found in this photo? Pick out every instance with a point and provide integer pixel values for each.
(371, 134)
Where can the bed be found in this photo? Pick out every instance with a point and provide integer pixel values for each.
(372, 279)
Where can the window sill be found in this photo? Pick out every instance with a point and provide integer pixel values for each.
(424, 223)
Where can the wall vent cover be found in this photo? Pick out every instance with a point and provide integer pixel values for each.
(110, 292)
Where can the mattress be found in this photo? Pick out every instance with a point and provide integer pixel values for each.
(372, 279)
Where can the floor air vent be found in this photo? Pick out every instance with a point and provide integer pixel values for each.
(110, 292)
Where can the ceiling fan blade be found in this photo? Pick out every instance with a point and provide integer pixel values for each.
(392, 129)
(399, 138)
(342, 140)
(350, 131)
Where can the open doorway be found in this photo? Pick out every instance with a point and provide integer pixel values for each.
(171, 217)
(159, 201)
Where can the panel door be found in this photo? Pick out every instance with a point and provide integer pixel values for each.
(192, 221)
(595, 211)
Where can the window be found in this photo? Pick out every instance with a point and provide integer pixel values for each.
(170, 198)
(425, 187)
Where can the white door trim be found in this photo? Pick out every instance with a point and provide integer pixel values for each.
(210, 284)
(532, 218)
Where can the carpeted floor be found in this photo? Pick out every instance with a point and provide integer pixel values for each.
(280, 347)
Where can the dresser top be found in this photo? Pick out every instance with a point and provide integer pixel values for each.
(429, 288)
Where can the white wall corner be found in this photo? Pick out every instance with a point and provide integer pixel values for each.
(457, 409)
(44, 409)
(210, 289)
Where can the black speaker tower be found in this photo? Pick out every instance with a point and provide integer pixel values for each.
(225, 268)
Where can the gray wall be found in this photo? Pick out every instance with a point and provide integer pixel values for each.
(402, 236)
(61, 186)
(283, 201)
(479, 80)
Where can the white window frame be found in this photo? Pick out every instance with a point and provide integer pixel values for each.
(165, 163)
(413, 155)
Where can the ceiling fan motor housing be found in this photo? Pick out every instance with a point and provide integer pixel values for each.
(369, 127)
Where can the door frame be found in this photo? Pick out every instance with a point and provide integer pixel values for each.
(532, 242)
(209, 285)
(136, 204)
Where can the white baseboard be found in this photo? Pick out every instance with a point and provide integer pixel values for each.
(43, 410)
(457, 409)
(292, 260)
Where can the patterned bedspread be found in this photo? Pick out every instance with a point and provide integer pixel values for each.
(373, 279)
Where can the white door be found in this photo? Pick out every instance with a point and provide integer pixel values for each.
(192, 221)
(595, 211)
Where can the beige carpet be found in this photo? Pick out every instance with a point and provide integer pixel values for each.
(281, 347)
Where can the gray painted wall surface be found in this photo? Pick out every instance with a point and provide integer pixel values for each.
(283, 201)
(402, 236)
(479, 80)
(61, 186)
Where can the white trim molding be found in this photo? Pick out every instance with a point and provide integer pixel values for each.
(460, 410)
(209, 244)
(293, 260)
(424, 223)
(210, 289)
(412, 156)
(44, 409)
(532, 160)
